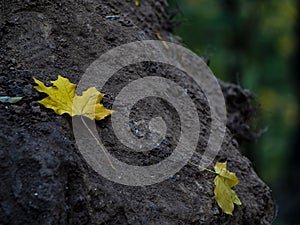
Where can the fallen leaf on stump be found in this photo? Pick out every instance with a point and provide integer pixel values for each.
(224, 195)
(62, 99)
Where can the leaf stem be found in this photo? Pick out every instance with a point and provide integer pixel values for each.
(96, 139)
(211, 171)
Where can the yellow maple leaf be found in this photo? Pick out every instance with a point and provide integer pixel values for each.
(224, 195)
(62, 99)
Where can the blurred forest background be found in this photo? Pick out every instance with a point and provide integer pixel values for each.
(256, 44)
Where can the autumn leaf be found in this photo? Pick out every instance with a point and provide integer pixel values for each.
(224, 195)
(62, 99)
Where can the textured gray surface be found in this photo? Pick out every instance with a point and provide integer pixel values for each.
(44, 179)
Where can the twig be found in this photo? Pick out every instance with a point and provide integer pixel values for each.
(193, 164)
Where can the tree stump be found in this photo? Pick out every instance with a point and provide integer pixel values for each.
(44, 178)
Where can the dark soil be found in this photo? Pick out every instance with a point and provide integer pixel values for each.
(44, 178)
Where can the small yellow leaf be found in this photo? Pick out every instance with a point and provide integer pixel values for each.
(137, 3)
(224, 195)
(231, 178)
(62, 99)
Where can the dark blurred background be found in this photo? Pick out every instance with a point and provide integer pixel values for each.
(256, 44)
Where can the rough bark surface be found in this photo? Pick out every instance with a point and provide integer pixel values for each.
(45, 180)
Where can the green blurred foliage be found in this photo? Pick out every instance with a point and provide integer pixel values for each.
(250, 43)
